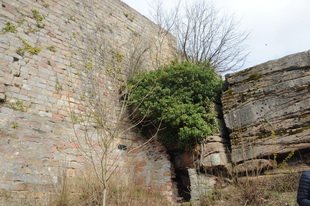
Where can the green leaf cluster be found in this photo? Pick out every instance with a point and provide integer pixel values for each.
(180, 99)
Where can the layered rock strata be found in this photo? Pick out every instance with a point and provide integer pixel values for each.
(267, 108)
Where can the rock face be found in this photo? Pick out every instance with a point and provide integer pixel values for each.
(253, 166)
(201, 185)
(267, 108)
(214, 152)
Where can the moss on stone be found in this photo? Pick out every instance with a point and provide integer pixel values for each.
(19, 106)
(243, 73)
(236, 135)
(38, 17)
(297, 131)
(254, 76)
(28, 48)
(229, 92)
(8, 28)
(299, 89)
(52, 48)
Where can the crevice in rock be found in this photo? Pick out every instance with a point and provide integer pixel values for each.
(181, 177)
(219, 171)
(301, 156)
(15, 59)
(224, 131)
(183, 184)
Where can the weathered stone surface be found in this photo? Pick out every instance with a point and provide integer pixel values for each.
(2, 88)
(201, 185)
(2, 92)
(214, 152)
(184, 160)
(267, 108)
(2, 97)
(254, 166)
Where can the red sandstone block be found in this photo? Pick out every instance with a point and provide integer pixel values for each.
(57, 96)
(41, 64)
(68, 94)
(73, 145)
(53, 149)
(21, 186)
(31, 139)
(60, 144)
(57, 117)
(141, 164)
(31, 124)
(138, 170)
(58, 69)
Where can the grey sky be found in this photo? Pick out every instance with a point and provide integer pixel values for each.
(277, 27)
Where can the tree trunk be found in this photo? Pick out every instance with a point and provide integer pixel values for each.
(104, 196)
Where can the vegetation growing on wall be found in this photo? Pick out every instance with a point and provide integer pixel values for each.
(28, 48)
(9, 27)
(179, 99)
(38, 17)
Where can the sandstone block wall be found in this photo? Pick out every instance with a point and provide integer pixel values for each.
(267, 108)
(44, 48)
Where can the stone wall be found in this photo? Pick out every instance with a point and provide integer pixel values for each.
(267, 108)
(46, 49)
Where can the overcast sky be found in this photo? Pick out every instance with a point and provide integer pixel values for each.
(277, 27)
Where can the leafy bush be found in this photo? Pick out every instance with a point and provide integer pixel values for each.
(180, 100)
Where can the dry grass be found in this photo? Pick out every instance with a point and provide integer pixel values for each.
(268, 190)
(88, 192)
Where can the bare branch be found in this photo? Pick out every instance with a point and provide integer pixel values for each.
(205, 34)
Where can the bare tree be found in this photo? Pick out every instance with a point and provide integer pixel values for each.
(165, 21)
(205, 34)
(99, 121)
(98, 108)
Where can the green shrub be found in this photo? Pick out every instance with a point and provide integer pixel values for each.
(180, 98)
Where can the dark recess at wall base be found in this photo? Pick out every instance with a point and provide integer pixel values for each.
(181, 178)
(183, 183)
